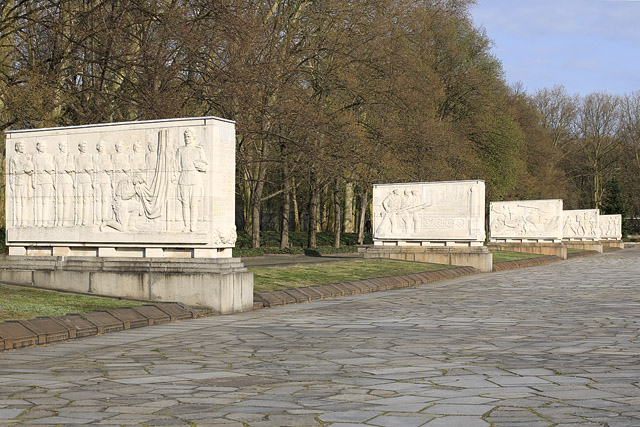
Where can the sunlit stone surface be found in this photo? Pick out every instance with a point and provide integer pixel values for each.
(526, 220)
(156, 188)
(429, 212)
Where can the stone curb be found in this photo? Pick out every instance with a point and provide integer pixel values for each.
(334, 290)
(16, 334)
(582, 254)
(522, 263)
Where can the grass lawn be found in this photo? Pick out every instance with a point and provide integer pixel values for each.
(18, 303)
(275, 278)
(499, 256)
(574, 250)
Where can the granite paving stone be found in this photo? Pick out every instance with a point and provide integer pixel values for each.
(457, 421)
(400, 420)
(546, 346)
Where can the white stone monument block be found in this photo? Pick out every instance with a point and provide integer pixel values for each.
(581, 224)
(526, 221)
(429, 213)
(161, 188)
(610, 227)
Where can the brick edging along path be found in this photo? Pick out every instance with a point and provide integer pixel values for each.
(333, 290)
(45, 330)
(526, 262)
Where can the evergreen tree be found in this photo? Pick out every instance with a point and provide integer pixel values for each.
(613, 202)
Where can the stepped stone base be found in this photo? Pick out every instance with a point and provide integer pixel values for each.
(541, 248)
(612, 244)
(477, 257)
(584, 245)
(222, 285)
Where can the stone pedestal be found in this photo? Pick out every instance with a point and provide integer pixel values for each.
(223, 285)
(541, 248)
(585, 245)
(477, 257)
(619, 244)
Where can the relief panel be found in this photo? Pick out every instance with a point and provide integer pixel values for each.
(166, 183)
(526, 219)
(581, 224)
(610, 227)
(430, 211)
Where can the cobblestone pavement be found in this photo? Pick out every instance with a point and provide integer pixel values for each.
(551, 345)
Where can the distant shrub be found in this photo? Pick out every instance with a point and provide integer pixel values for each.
(321, 250)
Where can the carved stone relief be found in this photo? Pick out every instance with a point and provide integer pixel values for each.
(581, 224)
(103, 190)
(152, 183)
(526, 219)
(44, 173)
(610, 226)
(64, 187)
(429, 211)
(20, 180)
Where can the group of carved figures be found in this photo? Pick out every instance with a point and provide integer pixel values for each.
(107, 190)
(610, 227)
(523, 219)
(401, 212)
(580, 224)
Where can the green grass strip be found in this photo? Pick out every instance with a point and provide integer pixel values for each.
(18, 303)
(275, 278)
(499, 256)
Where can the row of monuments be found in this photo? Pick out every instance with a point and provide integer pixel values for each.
(146, 210)
(544, 220)
(445, 222)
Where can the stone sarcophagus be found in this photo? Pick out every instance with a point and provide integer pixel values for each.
(161, 188)
(581, 224)
(610, 227)
(429, 213)
(526, 221)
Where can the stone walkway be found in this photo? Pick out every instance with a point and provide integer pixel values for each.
(545, 346)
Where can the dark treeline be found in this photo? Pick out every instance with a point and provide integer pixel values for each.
(329, 97)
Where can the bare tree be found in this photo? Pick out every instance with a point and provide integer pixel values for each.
(598, 125)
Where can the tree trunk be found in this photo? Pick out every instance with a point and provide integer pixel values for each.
(286, 209)
(324, 213)
(348, 208)
(337, 215)
(313, 213)
(363, 215)
(246, 202)
(256, 197)
(255, 224)
(296, 212)
(597, 189)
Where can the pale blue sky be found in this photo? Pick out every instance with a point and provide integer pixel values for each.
(584, 45)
